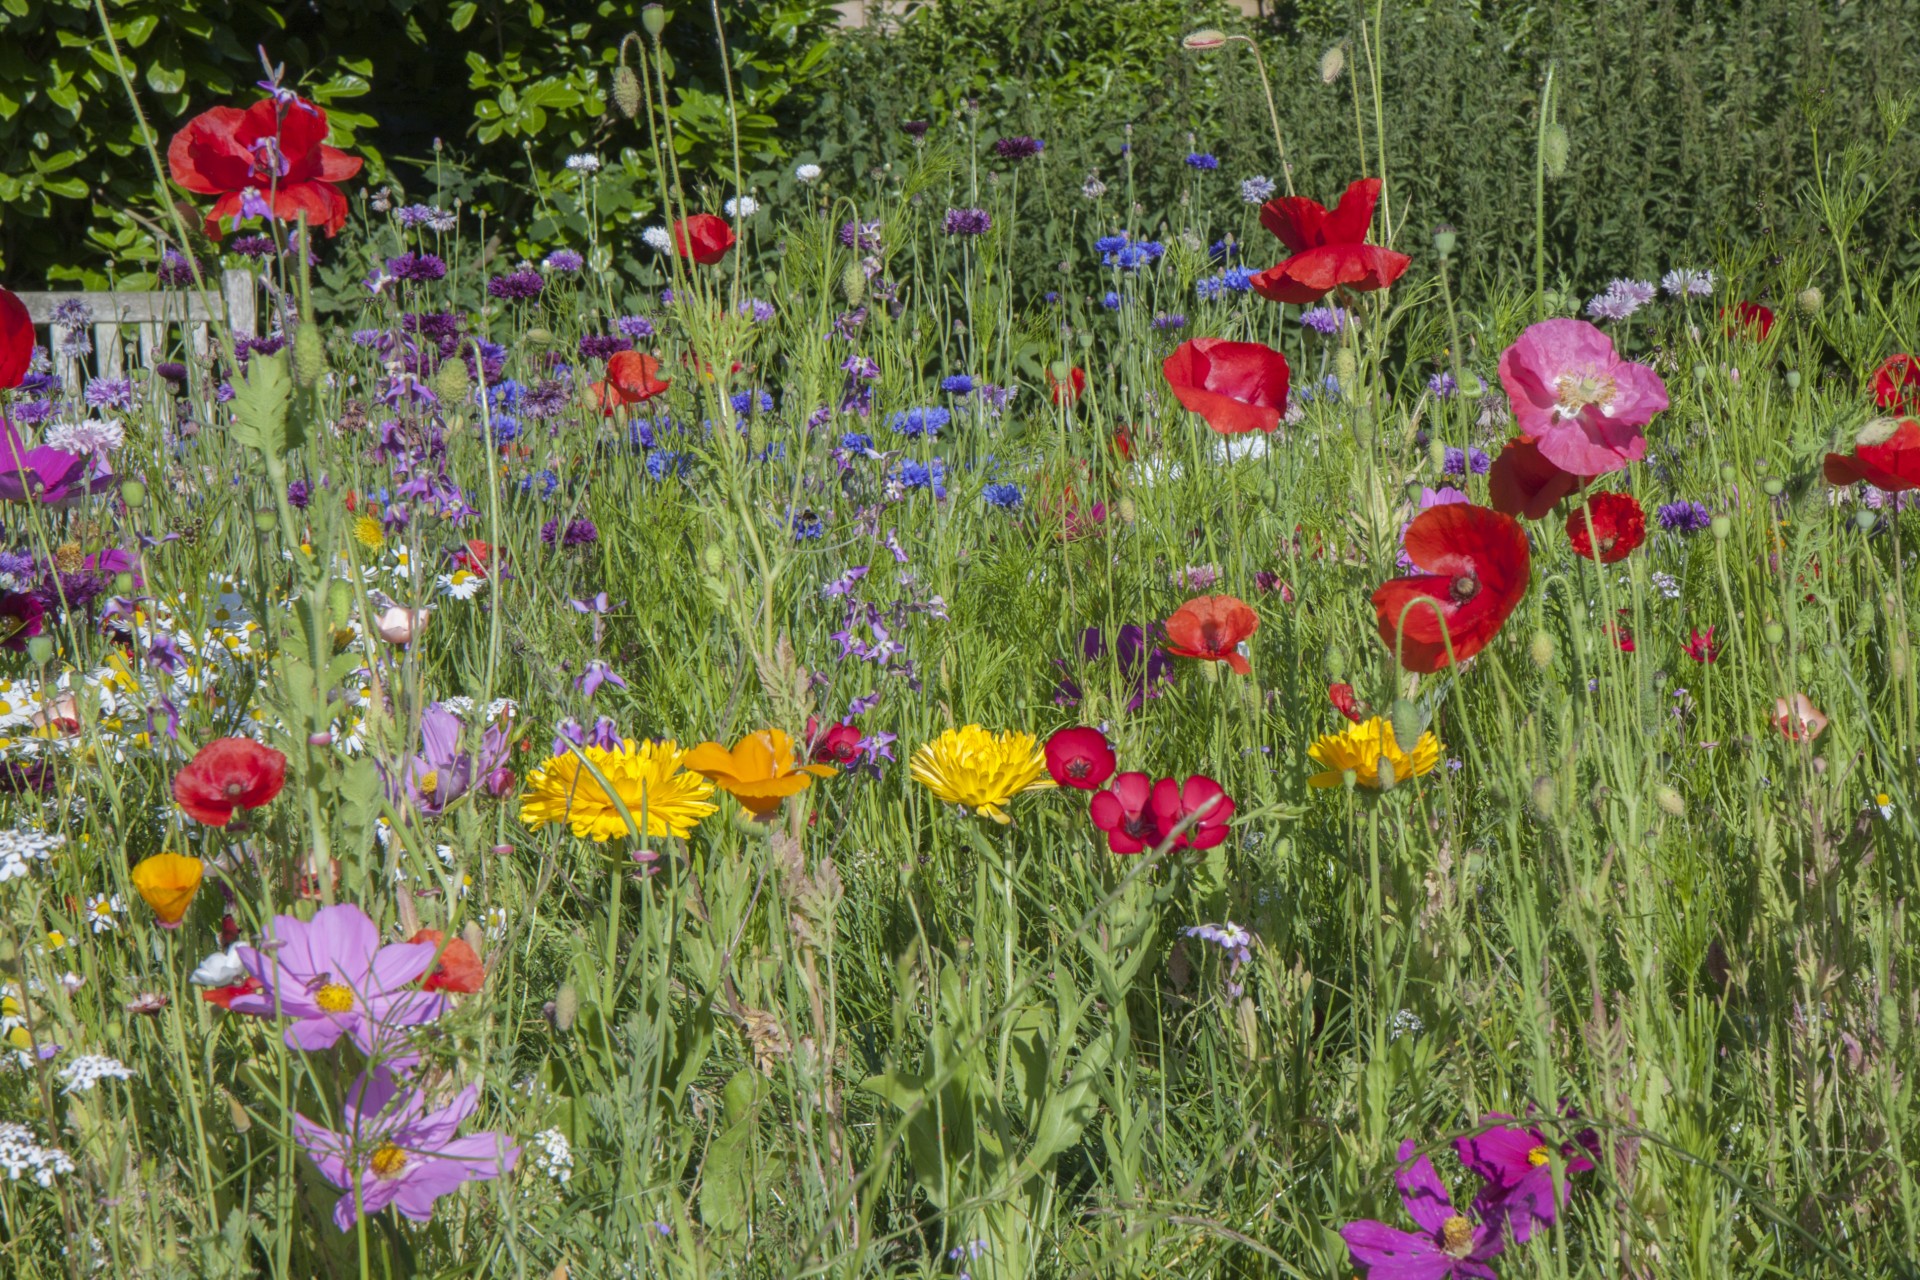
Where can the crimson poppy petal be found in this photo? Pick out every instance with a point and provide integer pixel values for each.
(16, 340)
(1235, 386)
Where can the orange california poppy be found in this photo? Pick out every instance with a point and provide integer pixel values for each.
(1212, 627)
(168, 882)
(759, 772)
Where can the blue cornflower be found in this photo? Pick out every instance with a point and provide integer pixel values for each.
(1170, 320)
(1238, 279)
(857, 442)
(1110, 245)
(1004, 496)
(743, 402)
(957, 384)
(1223, 250)
(1324, 320)
(1050, 297)
(805, 525)
(920, 422)
(1111, 300)
(547, 479)
(1208, 287)
(662, 463)
(932, 476)
(1202, 161)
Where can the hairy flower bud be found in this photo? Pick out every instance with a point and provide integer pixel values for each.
(853, 282)
(1554, 147)
(1541, 650)
(1670, 801)
(626, 91)
(1409, 722)
(1332, 63)
(566, 1007)
(1810, 299)
(453, 382)
(309, 355)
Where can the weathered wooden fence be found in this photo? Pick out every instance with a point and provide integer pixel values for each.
(146, 319)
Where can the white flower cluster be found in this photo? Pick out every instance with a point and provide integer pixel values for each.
(23, 845)
(742, 207)
(89, 1069)
(86, 437)
(21, 1153)
(553, 1155)
(658, 238)
(584, 163)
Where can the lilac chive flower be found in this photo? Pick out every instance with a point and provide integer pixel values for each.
(564, 260)
(1448, 1243)
(333, 978)
(391, 1149)
(516, 286)
(417, 267)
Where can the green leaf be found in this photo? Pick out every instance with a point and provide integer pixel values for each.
(260, 400)
(165, 79)
(462, 15)
(137, 32)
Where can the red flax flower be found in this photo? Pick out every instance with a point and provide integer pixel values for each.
(16, 340)
(1329, 247)
(1068, 389)
(1523, 483)
(1080, 758)
(1896, 384)
(1619, 525)
(228, 774)
(1235, 386)
(265, 159)
(459, 969)
(632, 378)
(703, 237)
(1123, 811)
(1886, 454)
(1475, 562)
(1212, 627)
(1200, 802)
(1750, 320)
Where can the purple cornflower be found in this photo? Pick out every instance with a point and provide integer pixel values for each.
(333, 978)
(564, 260)
(915, 129)
(1517, 1165)
(580, 533)
(1143, 666)
(1683, 517)
(967, 222)
(1018, 147)
(1461, 461)
(299, 494)
(864, 236)
(1442, 384)
(516, 286)
(391, 1149)
(1448, 1243)
(932, 476)
(1685, 282)
(417, 267)
(761, 312)
(174, 269)
(1609, 306)
(1324, 320)
(253, 246)
(635, 327)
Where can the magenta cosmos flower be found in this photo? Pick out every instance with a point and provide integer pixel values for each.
(399, 1153)
(1449, 1243)
(333, 978)
(1578, 399)
(1517, 1164)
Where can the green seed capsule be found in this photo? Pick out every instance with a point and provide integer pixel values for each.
(1722, 527)
(1774, 632)
(133, 493)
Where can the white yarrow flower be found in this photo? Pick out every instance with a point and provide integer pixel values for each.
(742, 207)
(807, 172)
(85, 1072)
(553, 1155)
(21, 1153)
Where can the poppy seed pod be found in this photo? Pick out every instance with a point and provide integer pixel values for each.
(309, 355)
(1554, 147)
(40, 650)
(133, 493)
(654, 19)
(1793, 379)
(626, 91)
(1722, 527)
(1332, 63)
(1773, 632)
(1444, 239)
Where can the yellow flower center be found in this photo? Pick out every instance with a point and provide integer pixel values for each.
(1456, 1236)
(333, 998)
(1539, 1156)
(429, 782)
(1575, 391)
(388, 1160)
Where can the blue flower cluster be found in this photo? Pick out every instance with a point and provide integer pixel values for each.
(928, 421)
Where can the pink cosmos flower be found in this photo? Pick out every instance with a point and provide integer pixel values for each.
(1517, 1164)
(398, 1152)
(1575, 397)
(1449, 1243)
(333, 978)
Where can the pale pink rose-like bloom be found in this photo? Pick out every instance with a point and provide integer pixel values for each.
(1581, 403)
(398, 625)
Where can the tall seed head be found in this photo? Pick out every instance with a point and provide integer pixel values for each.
(654, 19)
(853, 282)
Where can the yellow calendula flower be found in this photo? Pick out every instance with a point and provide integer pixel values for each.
(980, 769)
(1362, 747)
(167, 882)
(368, 533)
(663, 798)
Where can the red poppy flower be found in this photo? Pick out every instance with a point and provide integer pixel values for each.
(1068, 391)
(631, 379)
(16, 340)
(1235, 386)
(1701, 646)
(1523, 483)
(1123, 444)
(1329, 247)
(459, 968)
(1475, 563)
(837, 744)
(703, 237)
(1341, 696)
(1199, 801)
(228, 774)
(278, 156)
(474, 557)
(1750, 319)
(1896, 385)
(1212, 627)
(1123, 811)
(1799, 719)
(1080, 758)
(225, 996)
(1886, 454)
(1619, 525)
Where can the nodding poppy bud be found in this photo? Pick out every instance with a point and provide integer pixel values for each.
(1541, 650)
(1810, 300)
(1444, 239)
(1670, 801)
(1203, 39)
(1553, 149)
(1344, 368)
(654, 19)
(453, 382)
(309, 355)
(1336, 664)
(1389, 776)
(1332, 63)
(1409, 722)
(1543, 796)
(566, 1007)
(626, 91)
(1437, 453)
(853, 283)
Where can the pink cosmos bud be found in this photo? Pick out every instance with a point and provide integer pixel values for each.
(500, 783)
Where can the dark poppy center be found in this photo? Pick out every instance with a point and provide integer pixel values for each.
(1464, 588)
(1079, 768)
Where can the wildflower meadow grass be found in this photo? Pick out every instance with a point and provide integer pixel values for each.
(840, 758)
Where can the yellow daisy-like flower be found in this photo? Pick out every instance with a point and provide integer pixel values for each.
(1361, 747)
(368, 533)
(981, 770)
(662, 797)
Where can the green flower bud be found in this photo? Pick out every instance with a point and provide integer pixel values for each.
(853, 283)
(1332, 63)
(626, 91)
(40, 650)
(1793, 379)
(1774, 632)
(309, 355)
(654, 19)
(1670, 801)
(1727, 472)
(566, 1007)
(1409, 722)
(1437, 454)
(1203, 39)
(1722, 527)
(1554, 149)
(1344, 368)
(1810, 300)
(1389, 779)
(1541, 650)
(133, 493)
(1336, 664)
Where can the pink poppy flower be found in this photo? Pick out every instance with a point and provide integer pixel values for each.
(1581, 403)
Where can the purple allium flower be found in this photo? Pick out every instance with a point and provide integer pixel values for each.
(1202, 161)
(598, 346)
(333, 978)
(564, 260)
(1018, 147)
(174, 270)
(1449, 1243)
(635, 327)
(391, 1149)
(516, 286)
(968, 222)
(417, 267)
(1517, 1164)
(1683, 517)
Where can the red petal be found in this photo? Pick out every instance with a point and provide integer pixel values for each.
(1353, 216)
(16, 340)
